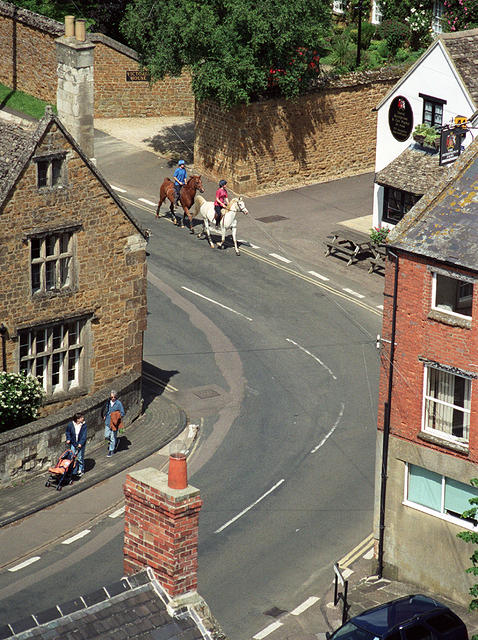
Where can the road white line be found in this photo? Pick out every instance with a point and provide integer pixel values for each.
(218, 303)
(252, 246)
(78, 536)
(304, 606)
(319, 276)
(327, 436)
(380, 306)
(117, 513)
(368, 555)
(239, 515)
(24, 564)
(153, 204)
(314, 357)
(353, 293)
(281, 258)
(347, 573)
(265, 632)
(118, 189)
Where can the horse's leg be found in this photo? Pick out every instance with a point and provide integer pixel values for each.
(190, 218)
(161, 200)
(223, 235)
(234, 234)
(208, 233)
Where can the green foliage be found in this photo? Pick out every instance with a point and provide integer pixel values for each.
(343, 53)
(472, 537)
(460, 14)
(230, 47)
(430, 134)
(20, 397)
(22, 102)
(395, 33)
(366, 36)
(378, 235)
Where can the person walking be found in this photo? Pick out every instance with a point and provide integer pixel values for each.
(113, 411)
(76, 435)
(221, 201)
(180, 176)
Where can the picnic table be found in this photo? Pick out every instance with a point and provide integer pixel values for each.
(348, 243)
(377, 261)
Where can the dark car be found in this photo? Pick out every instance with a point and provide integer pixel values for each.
(414, 617)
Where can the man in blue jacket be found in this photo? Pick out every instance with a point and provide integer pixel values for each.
(76, 439)
(179, 177)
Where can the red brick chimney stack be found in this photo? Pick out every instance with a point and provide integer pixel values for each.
(161, 530)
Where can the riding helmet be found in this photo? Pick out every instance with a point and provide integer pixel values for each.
(181, 162)
(222, 183)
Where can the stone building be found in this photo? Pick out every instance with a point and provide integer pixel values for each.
(429, 380)
(73, 291)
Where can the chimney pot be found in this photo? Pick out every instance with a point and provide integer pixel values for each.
(80, 30)
(69, 26)
(178, 466)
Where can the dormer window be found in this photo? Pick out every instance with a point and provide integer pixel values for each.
(50, 171)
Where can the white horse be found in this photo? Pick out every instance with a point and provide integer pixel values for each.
(228, 221)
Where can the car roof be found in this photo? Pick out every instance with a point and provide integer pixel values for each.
(383, 618)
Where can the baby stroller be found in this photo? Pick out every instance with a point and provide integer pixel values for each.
(62, 473)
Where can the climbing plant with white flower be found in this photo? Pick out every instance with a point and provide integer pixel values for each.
(21, 395)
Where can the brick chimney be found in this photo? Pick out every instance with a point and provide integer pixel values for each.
(75, 91)
(161, 530)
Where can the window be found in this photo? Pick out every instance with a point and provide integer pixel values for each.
(50, 171)
(377, 16)
(396, 204)
(452, 295)
(54, 354)
(432, 110)
(338, 6)
(446, 404)
(438, 11)
(51, 261)
(438, 495)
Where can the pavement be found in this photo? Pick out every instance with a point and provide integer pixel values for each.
(293, 223)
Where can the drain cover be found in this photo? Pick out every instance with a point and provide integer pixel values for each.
(275, 612)
(206, 393)
(272, 219)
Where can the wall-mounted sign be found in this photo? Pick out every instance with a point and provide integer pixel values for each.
(450, 144)
(400, 118)
(138, 75)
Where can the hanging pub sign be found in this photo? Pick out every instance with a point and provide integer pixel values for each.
(137, 75)
(450, 144)
(400, 118)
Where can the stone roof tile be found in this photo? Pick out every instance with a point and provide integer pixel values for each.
(462, 47)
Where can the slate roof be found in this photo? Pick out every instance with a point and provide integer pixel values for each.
(415, 170)
(135, 608)
(444, 223)
(18, 141)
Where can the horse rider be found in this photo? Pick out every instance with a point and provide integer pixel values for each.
(221, 201)
(180, 176)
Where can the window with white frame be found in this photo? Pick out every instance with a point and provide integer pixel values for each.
(439, 495)
(438, 11)
(51, 258)
(338, 6)
(452, 295)
(50, 170)
(54, 354)
(446, 404)
(377, 16)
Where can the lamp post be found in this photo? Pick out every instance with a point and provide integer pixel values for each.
(359, 31)
(3, 334)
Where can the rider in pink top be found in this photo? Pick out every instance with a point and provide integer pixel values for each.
(221, 201)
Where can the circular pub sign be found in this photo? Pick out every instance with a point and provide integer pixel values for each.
(400, 118)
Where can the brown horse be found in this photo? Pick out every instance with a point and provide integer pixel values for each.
(186, 198)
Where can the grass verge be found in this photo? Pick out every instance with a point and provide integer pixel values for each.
(22, 102)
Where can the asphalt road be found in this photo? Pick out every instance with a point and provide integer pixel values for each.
(280, 372)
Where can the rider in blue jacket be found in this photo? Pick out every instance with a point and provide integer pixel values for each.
(180, 176)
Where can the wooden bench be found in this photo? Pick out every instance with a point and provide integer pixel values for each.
(377, 261)
(350, 244)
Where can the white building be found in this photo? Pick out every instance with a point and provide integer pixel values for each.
(442, 84)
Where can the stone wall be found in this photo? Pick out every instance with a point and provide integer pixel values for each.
(327, 134)
(36, 446)
(28, 63)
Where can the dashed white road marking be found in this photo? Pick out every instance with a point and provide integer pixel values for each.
(24, 564)
(118, 189)
(78, 536)
(117, 513)
(368, 555)
(239, 515)
(304, 606)
(314, 357)
(216, 302)
(353, 293)
(281, 258)
(269, 629)
(319, 276)
(253, 246)
(327, 436)
(380, 306)
(153, 204)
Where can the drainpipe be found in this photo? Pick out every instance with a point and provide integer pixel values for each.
(386, 424)
(3, 334)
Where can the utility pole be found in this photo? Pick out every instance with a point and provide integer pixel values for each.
(359, 32)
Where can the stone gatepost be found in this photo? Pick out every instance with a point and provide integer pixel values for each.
(75, 93)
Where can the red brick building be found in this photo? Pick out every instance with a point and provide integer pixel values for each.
(433, 446)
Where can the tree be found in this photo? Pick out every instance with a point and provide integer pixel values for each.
(235, 49)
(20, 397)
(471, 536)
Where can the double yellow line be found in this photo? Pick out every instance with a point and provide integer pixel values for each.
(356, 552)
(157, 381)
